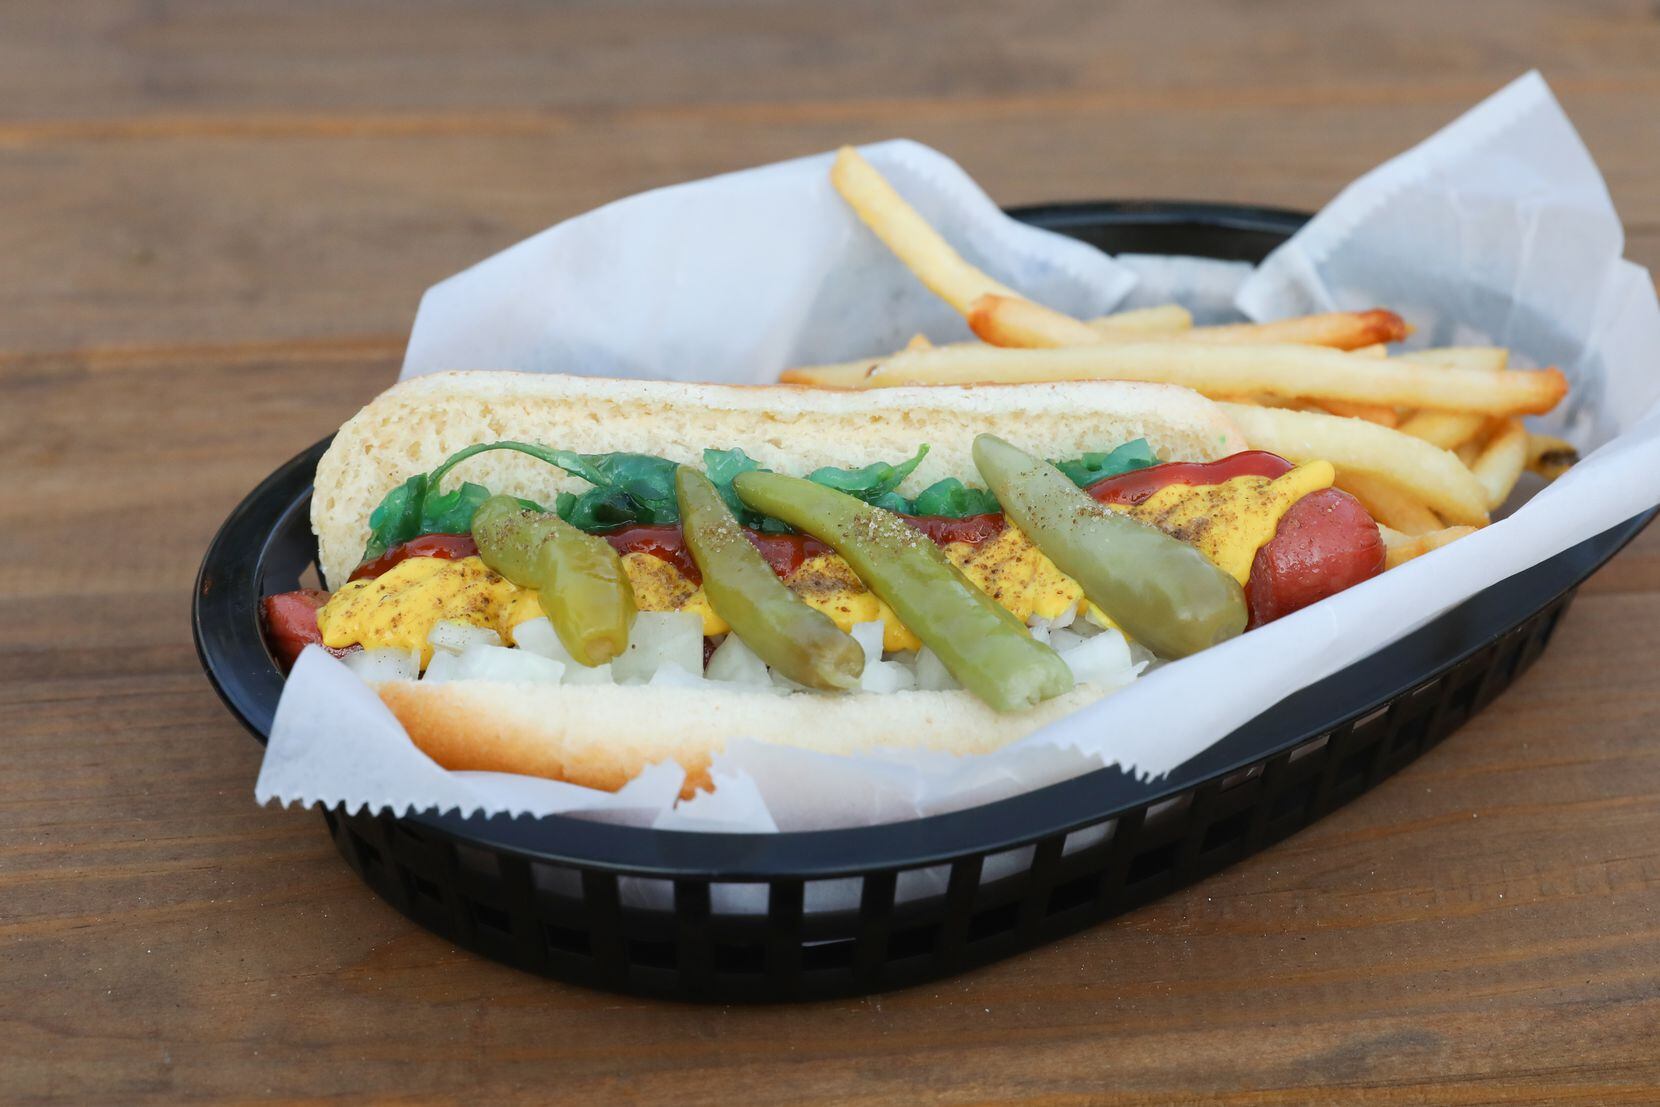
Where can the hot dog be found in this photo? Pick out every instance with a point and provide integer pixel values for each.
(590, 523)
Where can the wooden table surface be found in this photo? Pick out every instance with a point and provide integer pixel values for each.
(215, 224)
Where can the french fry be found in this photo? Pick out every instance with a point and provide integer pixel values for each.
(1380, 414)
(1490, 358)
(845, 375)
(1400, 548)
(1291, 371)
(919, 341)
(1428, 473)
(1166, 319)
(1386, 502)
(1343, 330)
(1468, 452)
(1550, 456)
(1376, 349)
(1447, 429)
(1015, 321)
(1499, 465)
(903, 230)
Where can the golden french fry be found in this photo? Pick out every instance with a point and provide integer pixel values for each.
(846, 374)
(1376, 349)
(1401, 548)
(1015, 321)
(1147, 321)
(1343, 330)
(1499, 465)
(1373, 413)
(1447, 429)
(1550, 456)
(919, 341)
(1386, 502)
(903, 230)
(1428, 473)
(1309, 372)
(1468, 452)
(1490, 358)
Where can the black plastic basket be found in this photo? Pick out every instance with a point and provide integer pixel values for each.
(826, 913)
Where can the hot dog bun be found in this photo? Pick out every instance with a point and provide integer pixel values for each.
(413, 426)
(603, 735)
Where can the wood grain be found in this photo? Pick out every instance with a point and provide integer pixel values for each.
(218, 222)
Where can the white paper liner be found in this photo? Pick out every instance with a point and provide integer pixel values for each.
(1496, 230)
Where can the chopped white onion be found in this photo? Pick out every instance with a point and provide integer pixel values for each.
(1040, 633)
(1104, 660)
(887, 676)
(442, 667)
(660, 638)
(931, 673)
(508, 666)
(671, 675)
(869, 636)
(735, 663)
(453, 636)
(1064, 619)
(1064, 640)
(539, 637)
(378, 666)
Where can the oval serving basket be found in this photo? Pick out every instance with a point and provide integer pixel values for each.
(808, 915)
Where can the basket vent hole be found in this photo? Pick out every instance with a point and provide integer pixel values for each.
(1088, 837)
(646, 891)
(1294, 799)
(822, 956)
(921, 883)
(480, 862)
(651, 955)
(369, 854)
(1155, 862)
(741, 959)
(993, 923)
(1353, 769)
(916, 941)
(422, 887)
(1009, 862)
(556, 880)
(1463, 699)
(730, 898)
(1240, 776)
(1165, 811)
(1308, 748)
(491, 918)
(1224, 832)
(1073, 893)
(565, 939)
(827, 895)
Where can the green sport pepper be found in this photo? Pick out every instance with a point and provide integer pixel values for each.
(578, 577)
(982, 645)
(1164, 593)
(797, 640)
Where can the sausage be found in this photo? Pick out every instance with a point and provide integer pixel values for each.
(291, 625)
(1325, 543)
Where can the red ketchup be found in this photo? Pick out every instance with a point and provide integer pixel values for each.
(450, 547)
